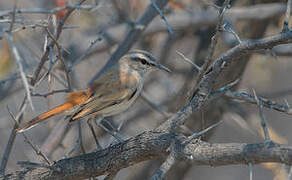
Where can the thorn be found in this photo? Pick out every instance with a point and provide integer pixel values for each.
(195, 135)
(188, 60)
(287, 103)
(250, 166)
(256, 97)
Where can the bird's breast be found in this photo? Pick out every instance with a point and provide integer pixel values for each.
(125, 104)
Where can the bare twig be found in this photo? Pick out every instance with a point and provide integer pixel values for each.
(223, 90)
(34, 147)
(211, 50)
(132, 35)
(55, 137)
(84, 53)
(188, 60)
(290, 174)
(230, 30)
(37, 150)
(263, 119)
(17, 58)
(12, 136)
(45, 95)
(50, 11)
(165, 167)
(74, 148)
(32, 26)
(250, 167)
(24, 22)
(50, 54)
(221, 63)
(46, 53)
(265, 102)
(60, 56)
(287, 17)
(195, 135)
(21, 71)
(162, 16)
(66, 70)
(206, 18)
(13, 16)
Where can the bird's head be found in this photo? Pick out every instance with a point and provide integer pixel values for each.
(143, 61)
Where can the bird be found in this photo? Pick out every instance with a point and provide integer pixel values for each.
(112, 93)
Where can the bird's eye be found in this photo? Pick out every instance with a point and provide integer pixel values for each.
(143, 61)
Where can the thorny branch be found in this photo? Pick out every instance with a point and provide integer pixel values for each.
(46, 53)
(133, 35)
(287, 16)
(238, 153)
(12, 136)
(33, 80)
(152, 144)
(50, 11)
(17, 58)
(211, 50)
(245, 97)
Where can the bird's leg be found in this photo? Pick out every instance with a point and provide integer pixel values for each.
(110, 124)
(121, 124)
(89, 122)
(114, 134)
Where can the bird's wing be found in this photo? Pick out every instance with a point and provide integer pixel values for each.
(109, 90)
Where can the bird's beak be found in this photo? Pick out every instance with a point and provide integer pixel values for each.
(160, 66)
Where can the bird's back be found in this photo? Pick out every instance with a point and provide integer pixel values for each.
(112, 93)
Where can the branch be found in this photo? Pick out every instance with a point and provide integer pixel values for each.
(45, 56)
(266, 102)
(287, 17)
(153, 144)
(220, 154)
(12, 136)
(211, 50)
(194, 19)
(149, 145)
(214, 71)
(17, 57)
(263, 119)
(162, 17)
(133, 35)
(49, 11)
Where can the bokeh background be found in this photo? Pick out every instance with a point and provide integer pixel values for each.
(267, 72)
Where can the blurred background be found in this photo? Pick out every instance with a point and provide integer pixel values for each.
(102, 27)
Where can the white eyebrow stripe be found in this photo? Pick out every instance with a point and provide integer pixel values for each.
(141, 56)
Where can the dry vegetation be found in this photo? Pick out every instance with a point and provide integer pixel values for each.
(225, 104)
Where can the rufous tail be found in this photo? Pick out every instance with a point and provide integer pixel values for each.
(74, 99)
(44, 116)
